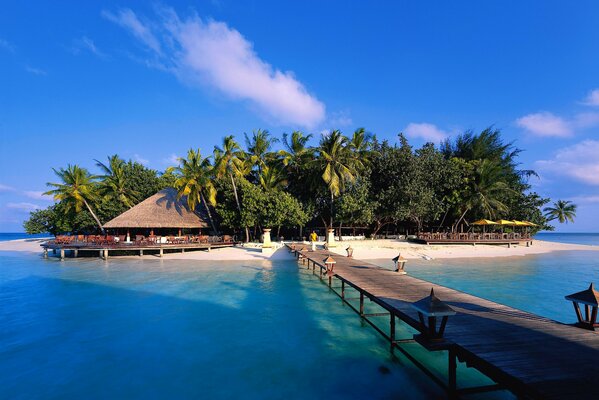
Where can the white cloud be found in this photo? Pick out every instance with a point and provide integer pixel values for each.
(340, 119)
(212, 54)
(4, 44)
(428, 132)
(32, 194)
(173, 159)
(586, 199)
(592, 99)
(128, 20)
(140, 159)
(35, 71)
(580, 162)
(545, 124)
(6, 188)
(23, 206)
(86, 44)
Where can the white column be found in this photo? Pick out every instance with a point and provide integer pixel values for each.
(266, 242)
(331, 238)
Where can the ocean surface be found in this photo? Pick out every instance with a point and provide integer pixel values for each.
(4, 236)
(155, 328)
(576, 238)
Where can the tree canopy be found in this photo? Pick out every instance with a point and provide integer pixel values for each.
(345, 182)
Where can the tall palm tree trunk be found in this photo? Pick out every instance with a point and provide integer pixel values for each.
(208, 212)
(247, 231)
(332, 201)
(94, 215)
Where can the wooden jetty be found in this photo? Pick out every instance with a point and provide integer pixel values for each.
(531, 356)
(74, 249)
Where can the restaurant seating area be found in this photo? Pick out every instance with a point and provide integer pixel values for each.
(472, 236)
(137, 241)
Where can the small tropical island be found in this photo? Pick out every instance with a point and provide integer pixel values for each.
(353, 185)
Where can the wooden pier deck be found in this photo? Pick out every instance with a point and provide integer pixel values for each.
(115, 248)
(529, 355)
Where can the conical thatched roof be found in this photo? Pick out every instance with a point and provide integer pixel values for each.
(162, 210)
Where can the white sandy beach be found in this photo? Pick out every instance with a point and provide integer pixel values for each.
(363, 249)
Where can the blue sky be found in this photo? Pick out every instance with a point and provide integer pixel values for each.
(84, 80)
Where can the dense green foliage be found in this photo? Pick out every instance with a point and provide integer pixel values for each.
(353, 182)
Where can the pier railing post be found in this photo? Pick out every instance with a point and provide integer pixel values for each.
(452, 384)
(361, 304)
(392, 330)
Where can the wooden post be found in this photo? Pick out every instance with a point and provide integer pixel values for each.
(45, 252)
(75, 253)
(452, 375)
(330, 280)
(577, 309)
(61, 254)
(182, 250)
(106, 254)
(209, 248)
(362, 304)
(141, 252)
(586, 312)
(392, 330)
(161, 252)
(320, 271)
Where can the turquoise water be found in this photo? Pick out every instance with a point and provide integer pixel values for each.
(155, 328)
(151, 328)
(576, 238)
(535, 283)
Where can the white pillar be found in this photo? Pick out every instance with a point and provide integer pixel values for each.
(331, 238)
(266, 242)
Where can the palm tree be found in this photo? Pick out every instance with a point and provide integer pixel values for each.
(562, 210)
(229, 160)
(78, 189)
(296, 153)
(194, 180)
(335, 162)
(360, 147)
(272, 178)
(259, 146)
(485, 190)
(114, 183)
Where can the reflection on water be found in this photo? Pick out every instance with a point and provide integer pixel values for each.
(150, 328)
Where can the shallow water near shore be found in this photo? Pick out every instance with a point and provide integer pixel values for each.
(152, 328)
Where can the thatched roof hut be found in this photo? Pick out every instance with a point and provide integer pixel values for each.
(162, 210)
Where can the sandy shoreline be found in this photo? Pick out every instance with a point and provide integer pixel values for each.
(364, 249)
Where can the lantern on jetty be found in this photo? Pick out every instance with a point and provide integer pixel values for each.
(429, 309)
(350, 252)
(590, 299)
(400, 263)
(329, 263)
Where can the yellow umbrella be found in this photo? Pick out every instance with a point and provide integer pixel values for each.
(528, 223)
(520, 223)
(484, 222)
(505, 222)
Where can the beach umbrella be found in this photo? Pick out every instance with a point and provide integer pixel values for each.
(505, 222)
(484, 223)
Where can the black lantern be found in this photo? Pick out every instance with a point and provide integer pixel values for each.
(429, 309)
(590, 299)
(400, 263)
(350, 252)
(329, 263)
